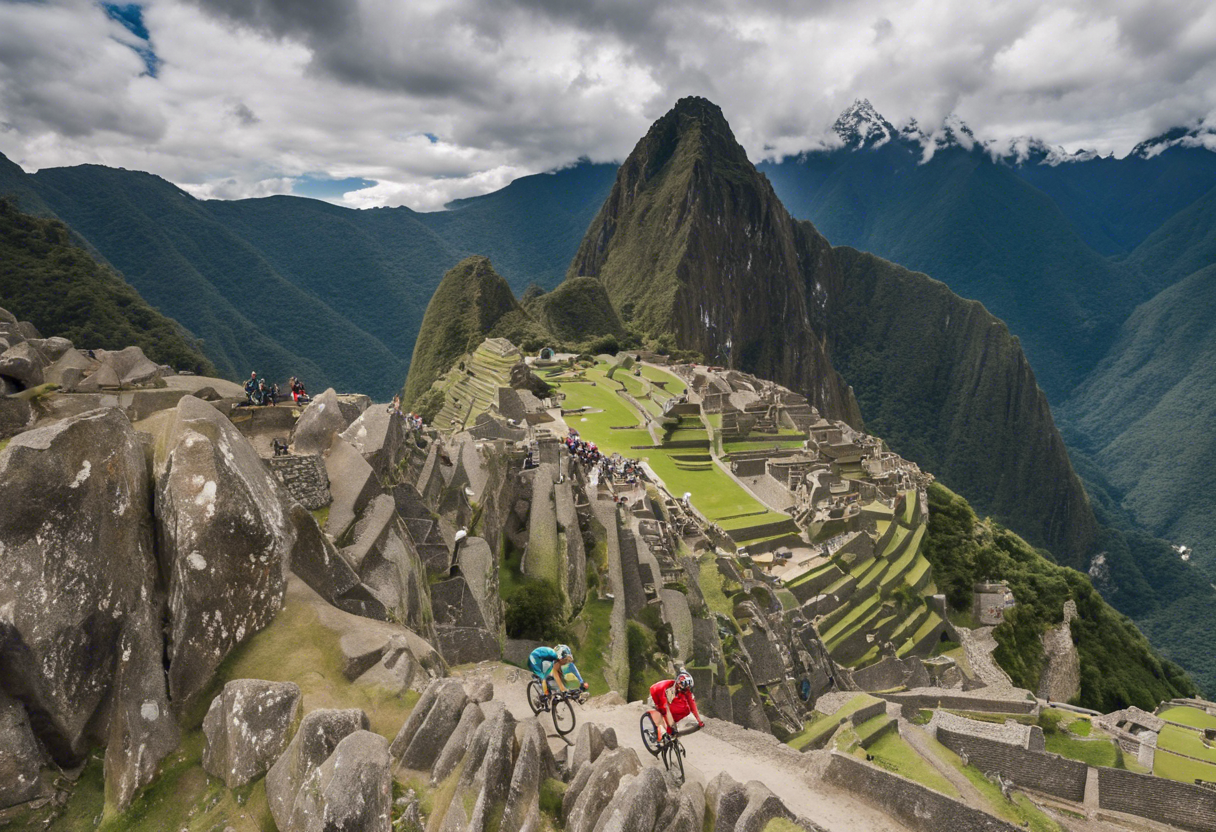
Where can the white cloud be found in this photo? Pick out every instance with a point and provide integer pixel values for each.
(438, 99)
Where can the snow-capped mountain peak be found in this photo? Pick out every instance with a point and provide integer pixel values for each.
(1201, 135)
(860, 125)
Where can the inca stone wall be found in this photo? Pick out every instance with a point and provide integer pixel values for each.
(1043, 772)
(1181, 804)
(913, 804)
(305, 479)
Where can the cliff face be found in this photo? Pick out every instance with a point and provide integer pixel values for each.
(693, 242)
(946, 384)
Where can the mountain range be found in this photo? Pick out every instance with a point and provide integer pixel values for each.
(1078, 256)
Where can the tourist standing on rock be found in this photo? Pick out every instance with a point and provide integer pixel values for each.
(251, 387)
(674, 700)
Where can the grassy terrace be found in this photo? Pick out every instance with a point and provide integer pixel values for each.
(1189, 716)
(1190, 743)
(714, 493)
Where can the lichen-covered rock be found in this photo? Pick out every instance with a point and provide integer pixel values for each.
(480, 690)
(726, 800)
(24, 363)
(318, 735)
(130, 365)
(20, 757)
(320, 422)
(352, 791)
(637, 806)
(79, 608)
(762, 807)
(225, 542)
(247, 727)
(689, 814)
(429, 725)
(594, 786)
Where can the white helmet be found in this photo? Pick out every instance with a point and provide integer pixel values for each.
(683, 680)
(563, 651)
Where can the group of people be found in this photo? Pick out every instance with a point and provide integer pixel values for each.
(614, 467)
(413, 421)
(259, 392)
(671, 700)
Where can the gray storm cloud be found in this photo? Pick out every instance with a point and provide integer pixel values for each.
(436, 100)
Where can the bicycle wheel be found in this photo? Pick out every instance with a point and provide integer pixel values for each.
(650, 734)
(675, 764)
(535, 697)
(563, 717)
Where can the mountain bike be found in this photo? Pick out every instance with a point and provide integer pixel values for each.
(558, 704)
(669, 749)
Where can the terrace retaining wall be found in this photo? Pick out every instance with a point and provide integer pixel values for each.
(913, 804)
(1181, 804)
(1038, 770)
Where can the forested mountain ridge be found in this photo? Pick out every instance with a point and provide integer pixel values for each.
(48, 280)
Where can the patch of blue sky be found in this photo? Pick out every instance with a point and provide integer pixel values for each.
(323, 187)
(131, 16)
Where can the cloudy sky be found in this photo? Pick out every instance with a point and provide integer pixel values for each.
(415, 102)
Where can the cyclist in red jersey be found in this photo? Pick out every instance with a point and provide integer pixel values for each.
(674, 700)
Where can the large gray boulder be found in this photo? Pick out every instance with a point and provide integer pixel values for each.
(7, 317)
(320, 422)
(429, 725)
(387, 564)
(533, 764)
(588, 746)
(225, 542)
(637, 806)
(458, 743)
(352, 484)
(317, 561)
(318, 735)
(379, 436)
(132, 367)
(24, 363)
(80, 612)
(689, 814)
(352, 791)
(762, 807)
(53, 348)
(594, 786)
(20, 757)
(247, 727)
(485, 782)
(69, 370)
(460, 629)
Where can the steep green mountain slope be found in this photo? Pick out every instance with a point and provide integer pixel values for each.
(693, 243)
(1180, 247)
(62, 290)
(983, 230)
(471, 303)
(189, 266)
(1118, 666)
(947, 385)
(274, 284)
(577, 311)
(1114, 204)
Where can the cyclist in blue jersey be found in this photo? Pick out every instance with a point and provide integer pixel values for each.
(555, 663)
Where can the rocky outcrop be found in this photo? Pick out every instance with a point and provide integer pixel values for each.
(247, 727)
(20, 756)
(378, 435)
(225, 542)
(457, 743)
(430, 724)
(320, 422)
(350, 792)
(79, 602)
(314, 742)
(24, 364)
(594, 786)
(353, 485)
(388, 565)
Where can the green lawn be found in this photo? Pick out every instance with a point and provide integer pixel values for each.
(1189, 716)
(710, 580)
(594, 631)
(1093, 752)
(1190, 743)
(1173, 767)
(892, 753)
(1021, 812)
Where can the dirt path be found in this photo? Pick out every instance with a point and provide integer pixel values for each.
(722, 746)
(978, 644)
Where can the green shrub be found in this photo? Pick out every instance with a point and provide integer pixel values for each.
(535, 612)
